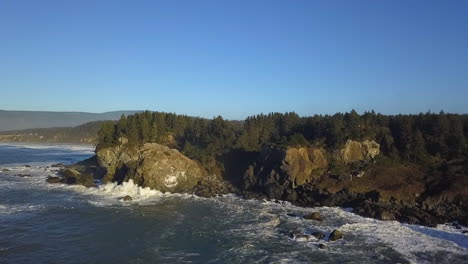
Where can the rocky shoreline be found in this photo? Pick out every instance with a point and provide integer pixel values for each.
(353, 176)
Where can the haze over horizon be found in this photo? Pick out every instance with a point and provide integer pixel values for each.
(209, 58)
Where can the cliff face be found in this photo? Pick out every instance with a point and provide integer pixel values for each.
(278, 171)
(411, 193)
(151, 165)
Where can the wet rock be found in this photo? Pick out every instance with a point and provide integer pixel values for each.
(318, 234)
(53, 179)
(335, 235)
(27, 166)
(322, 246)
(127, 198)
(6, 170)
(72, 176)
(57, 165)
(23, 175)
(386, 216)
(293, 215)
(314, 216)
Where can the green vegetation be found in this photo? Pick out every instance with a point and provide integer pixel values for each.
(404, 137)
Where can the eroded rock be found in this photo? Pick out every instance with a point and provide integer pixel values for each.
(314, 216)
(151, 165)
(336, 235)
(354, 151)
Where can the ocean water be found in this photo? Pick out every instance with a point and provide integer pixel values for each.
(44, 223)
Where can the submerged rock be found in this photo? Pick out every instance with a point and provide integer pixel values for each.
(57, 165)
(23, 175)
(335, 235)
(314, 216)
(322, 246)
(293, 215)
(318, 234)
(127, 198)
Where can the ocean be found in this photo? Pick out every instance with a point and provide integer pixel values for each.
(56, 223)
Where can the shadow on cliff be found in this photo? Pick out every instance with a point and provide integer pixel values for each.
(236, 163)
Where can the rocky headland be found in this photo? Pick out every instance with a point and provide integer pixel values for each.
(355, 175)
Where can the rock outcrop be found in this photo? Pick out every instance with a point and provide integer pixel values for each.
(276, 169)
(151, 165)
(354, 151)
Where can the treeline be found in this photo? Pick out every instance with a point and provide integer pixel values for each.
(406, 137)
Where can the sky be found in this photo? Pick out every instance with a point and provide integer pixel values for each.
(234, 58)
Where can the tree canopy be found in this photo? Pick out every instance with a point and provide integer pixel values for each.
(408, 137)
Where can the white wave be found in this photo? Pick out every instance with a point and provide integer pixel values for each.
(402, 238)
(111, 194)
(13, 209)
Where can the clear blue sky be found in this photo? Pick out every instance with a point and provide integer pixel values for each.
(234, 58)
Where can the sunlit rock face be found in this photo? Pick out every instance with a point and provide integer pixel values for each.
(354, 151)
(277, 169)
(150, 165)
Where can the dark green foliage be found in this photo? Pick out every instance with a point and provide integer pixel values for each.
(405, 137)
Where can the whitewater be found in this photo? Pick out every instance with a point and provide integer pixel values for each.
(56, 223)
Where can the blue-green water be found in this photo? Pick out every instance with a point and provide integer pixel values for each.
(43, 223)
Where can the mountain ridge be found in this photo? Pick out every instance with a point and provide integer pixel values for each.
(23, 119)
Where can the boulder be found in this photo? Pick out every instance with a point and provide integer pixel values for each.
(314, 216)
(73, 176)
(335, 235)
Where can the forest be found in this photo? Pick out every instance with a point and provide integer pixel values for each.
(413, 138)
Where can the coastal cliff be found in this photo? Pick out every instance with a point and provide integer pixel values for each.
(351, 176)
(411, 168)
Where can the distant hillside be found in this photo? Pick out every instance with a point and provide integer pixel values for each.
(18, 120)
(86, 133)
